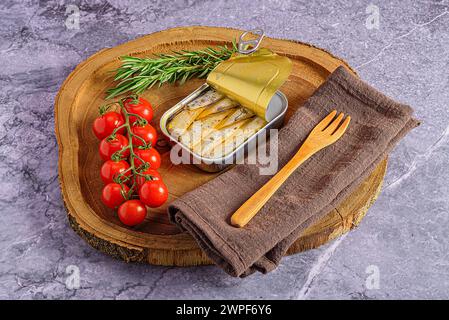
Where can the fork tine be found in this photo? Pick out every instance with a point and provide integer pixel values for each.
(334, 124)
(325, 122)
(339, 132)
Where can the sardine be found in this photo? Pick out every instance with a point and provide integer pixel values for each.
(201, 128)
(182, 121)
(240, 113)
(215, 138)
(204, 100)
(223, 104)
(238, 137)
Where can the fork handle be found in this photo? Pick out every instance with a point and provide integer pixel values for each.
(250, 208)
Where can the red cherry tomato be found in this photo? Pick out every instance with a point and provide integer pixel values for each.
(141, 107)
(132, 212)
(150, 155)
(153, 193)
(112, 195)
(109, 147)
(151, 172)
(111, 169)
(105, 124)
(146, 132)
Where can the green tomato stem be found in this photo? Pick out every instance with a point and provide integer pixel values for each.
(121, 178)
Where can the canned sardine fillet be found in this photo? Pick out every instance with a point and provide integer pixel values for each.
(204, 135)
(240, 113)
(221, 105)
(212, 135)
(228, 145)
(199, 129)
(181, 122)
(205, 100)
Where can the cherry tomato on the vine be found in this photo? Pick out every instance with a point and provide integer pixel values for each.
(141, 107)
(112, 195)
(149, 155)
(146, 132)
(132, 212)
(105, 124)
(109, 146)
(153, 193)
(111, 169)
(150, 172)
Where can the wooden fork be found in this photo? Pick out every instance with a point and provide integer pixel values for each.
(324, 134)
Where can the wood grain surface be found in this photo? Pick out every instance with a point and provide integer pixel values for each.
(156, 241)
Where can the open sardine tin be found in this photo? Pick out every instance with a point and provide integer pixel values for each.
(252, 81)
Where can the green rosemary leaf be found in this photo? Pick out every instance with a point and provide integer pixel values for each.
(203, 74)
(136, 75)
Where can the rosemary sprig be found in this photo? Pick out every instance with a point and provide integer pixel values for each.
(138, 74)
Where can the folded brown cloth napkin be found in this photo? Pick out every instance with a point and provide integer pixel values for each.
(312, 191)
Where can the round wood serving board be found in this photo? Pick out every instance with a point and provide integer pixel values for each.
(156, 241)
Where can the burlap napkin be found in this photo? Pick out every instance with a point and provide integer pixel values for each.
(318, 186)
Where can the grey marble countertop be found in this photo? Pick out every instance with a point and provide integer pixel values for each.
(401, 248)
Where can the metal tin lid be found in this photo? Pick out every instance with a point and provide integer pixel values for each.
(252, 76)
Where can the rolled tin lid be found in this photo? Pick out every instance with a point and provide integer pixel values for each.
(252, 79)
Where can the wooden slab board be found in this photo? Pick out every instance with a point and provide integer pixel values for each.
(156, 241)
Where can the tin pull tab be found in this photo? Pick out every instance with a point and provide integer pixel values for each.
(251, 45)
